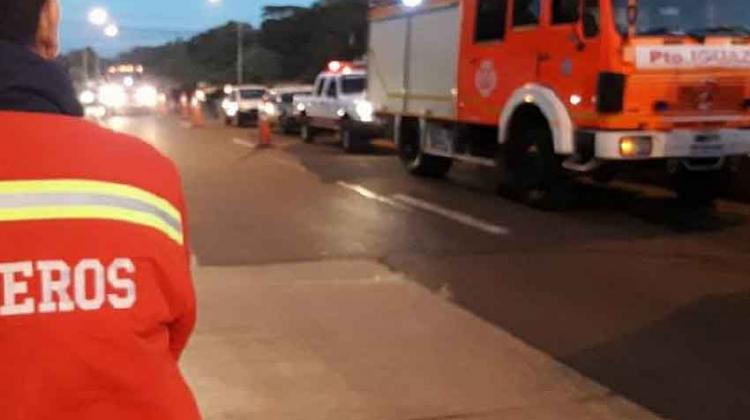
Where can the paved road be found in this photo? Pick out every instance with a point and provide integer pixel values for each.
(625, 288)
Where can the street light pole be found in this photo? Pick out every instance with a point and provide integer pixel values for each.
(240, 55)
(86, 64)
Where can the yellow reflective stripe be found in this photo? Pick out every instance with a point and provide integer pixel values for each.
(90, 212)
(93, 187)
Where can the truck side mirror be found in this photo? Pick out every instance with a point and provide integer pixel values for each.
(578, 37)
(590, 25)
(632, 14)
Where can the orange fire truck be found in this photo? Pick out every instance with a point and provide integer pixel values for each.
(544, 90)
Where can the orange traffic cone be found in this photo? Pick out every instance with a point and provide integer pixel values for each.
(264, 131)
(196, 114)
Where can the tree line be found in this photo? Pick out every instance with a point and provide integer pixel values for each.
(292, 44)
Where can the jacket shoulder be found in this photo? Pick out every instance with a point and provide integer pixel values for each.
(54, 146)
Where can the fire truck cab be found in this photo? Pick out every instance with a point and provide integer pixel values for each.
(547, 89)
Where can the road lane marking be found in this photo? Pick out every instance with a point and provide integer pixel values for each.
(364, 192)
(453, 215)
(244, 143)
(407, 202)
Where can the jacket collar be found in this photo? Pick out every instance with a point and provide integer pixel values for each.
(28, 83)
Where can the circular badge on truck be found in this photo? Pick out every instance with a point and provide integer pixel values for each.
(486, 78)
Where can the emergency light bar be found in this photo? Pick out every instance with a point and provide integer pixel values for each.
(342, 67)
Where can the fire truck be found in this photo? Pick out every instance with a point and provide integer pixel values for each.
(547, 90)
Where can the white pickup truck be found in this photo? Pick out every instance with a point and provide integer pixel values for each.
(338, 105)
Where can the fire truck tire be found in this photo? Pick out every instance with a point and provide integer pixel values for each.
(535, 172)
(413, 157)
(306, 132)
(699, 189)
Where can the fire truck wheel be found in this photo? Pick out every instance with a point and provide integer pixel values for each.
(306, 132)
(535, 173)
(414, 159)
(698, 189)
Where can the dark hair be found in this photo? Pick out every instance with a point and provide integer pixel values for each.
(19, 20)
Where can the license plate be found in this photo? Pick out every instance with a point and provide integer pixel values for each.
(440, 140)
(707, 144)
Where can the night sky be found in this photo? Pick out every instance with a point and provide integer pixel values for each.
(153, 22)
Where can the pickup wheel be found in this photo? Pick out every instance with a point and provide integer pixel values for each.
(306, 132)
(350, 140)
(534, 171)
(413, 157)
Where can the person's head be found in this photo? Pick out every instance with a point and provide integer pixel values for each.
(33, 24)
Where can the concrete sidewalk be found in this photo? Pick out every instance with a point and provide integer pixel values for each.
(350, 340)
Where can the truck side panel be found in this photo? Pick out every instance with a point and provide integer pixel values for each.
(386, 64)
(426, 83)
(434, 63)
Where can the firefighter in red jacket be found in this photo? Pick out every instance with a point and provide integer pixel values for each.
(96, 299)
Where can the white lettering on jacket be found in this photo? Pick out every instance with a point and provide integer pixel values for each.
(89, 285)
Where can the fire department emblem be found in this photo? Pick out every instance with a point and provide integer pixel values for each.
(486, 78)
(706, 95)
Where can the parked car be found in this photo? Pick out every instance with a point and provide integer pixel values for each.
(278, 108)
(242, 104)
(339, 105)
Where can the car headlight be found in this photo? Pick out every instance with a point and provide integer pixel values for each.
(270, 109)
(365, 111)
(113, 96)
(230, 107)
(87, 97)
(147, 96)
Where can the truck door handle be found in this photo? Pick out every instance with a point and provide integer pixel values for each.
(543, 57)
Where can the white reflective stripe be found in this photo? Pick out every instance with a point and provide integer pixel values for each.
(8, 201)
(108, 202)
(88, 186)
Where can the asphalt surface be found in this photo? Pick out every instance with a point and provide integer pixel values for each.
(626, 287)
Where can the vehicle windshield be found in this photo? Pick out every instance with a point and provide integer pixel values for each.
(353, 84)
(686, 17)
(252, 94)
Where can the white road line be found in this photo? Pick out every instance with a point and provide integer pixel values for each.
(244, 143)
(407, 202)
(364, 192)
(456, 216)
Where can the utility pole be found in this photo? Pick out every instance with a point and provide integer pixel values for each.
(86, 64)
(240, 55)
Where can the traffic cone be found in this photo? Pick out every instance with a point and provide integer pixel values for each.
(196, 114)
(264, 131)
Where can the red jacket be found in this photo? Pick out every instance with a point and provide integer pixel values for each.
(96, 298)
